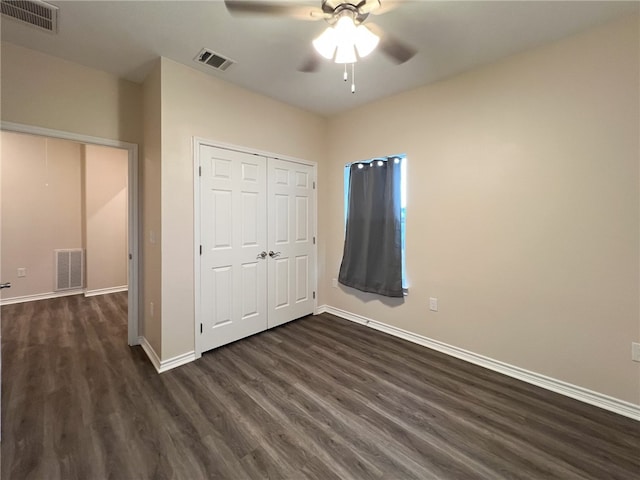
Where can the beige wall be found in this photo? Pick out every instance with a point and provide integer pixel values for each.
(151, 274)
(106, 216)
(45, 91)
(40, 209)
(523, 209)
(194, 104)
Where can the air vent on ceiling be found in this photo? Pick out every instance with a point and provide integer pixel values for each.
(213, 59)
(34, 12)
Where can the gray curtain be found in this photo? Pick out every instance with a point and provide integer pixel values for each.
(372, 257)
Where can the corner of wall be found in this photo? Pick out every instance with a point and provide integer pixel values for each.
(150, 182)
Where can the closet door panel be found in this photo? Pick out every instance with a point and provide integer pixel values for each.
(290, 238)
(233, 296)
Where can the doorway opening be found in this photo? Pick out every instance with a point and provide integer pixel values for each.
(102, 175)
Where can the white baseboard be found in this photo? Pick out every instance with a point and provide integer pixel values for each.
(162, 366)
(40, 296)
(151, 353)
(606, 402)
(106, 291)
(177, 361)
(65, 293)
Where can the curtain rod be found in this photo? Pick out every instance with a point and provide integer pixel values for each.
(384, 159)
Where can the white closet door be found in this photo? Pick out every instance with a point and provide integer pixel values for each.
(291, 241)
(233, 196)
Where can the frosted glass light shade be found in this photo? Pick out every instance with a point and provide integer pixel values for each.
(366, 41)
(326, 43)
(343, 39)
(345, 29)
(346, 36)
(346, 54)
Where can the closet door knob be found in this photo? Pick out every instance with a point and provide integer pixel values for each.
(262, 255)
(273, 254)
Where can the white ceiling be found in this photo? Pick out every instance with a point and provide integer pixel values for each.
(124, 37)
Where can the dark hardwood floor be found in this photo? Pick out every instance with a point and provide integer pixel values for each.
(318, 398)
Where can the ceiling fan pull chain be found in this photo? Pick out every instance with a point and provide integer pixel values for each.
(353, 77)
(345, 72)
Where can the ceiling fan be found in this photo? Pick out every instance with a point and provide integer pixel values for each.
(346, 39)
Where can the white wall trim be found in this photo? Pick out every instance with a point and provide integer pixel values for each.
(40, 296)
(151, 353)
(106, 291)
(606, 402)
(162, 366)
(197, 141)
(197, 238)
(75, 137)
(177, 361)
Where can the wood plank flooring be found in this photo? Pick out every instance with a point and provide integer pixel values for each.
(318, 398)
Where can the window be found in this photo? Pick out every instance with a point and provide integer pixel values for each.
(397, 190)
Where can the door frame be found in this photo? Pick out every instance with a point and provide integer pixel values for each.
(197, 143)
(132, 206)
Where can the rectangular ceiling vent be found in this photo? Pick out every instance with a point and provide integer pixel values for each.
(214, 60)
(34, 12)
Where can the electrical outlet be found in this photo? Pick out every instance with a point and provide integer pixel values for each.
(334, 282)
(151, 309)
(22, 272)
(433, 304)
(635, 351)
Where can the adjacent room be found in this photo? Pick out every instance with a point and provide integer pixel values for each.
(320, 239)
(64, 216)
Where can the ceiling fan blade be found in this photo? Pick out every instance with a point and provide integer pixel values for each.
(368, 6)
(398, 51)
(289, 9)
(387, 6)
(310, 64)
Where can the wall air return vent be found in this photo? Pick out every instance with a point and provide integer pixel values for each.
(33, 12)
(69, 268)
(214, 60)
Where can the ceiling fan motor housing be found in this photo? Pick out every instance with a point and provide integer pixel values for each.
(338, 8)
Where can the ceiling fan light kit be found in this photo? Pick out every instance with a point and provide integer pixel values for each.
(341, 41)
